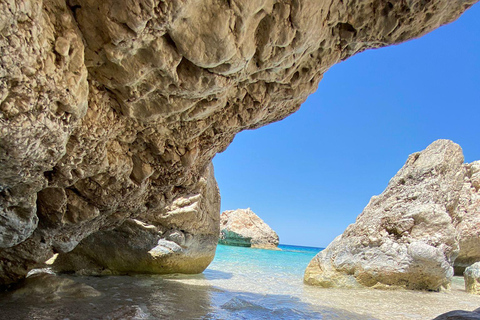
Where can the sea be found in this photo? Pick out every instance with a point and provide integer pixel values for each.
(241, 283)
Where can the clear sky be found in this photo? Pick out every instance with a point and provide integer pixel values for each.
(311, 175)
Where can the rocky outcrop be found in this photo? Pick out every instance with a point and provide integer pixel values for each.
(468, 219)
(111, 110)
(404, 237)
(182, 239)
(472, 278)
(244, 228)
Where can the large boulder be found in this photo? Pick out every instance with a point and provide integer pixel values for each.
(404, 237)
(468, 219)
(181, 238)
(111, 110)
(244, 228)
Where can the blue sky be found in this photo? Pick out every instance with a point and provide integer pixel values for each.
(311, 175)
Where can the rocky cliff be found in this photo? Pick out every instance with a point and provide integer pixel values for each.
(242, 227)
(111, 110)
(408, 236)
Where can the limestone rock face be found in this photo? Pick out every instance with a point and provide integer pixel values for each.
(183, 239)
(111, 110)
(468, 219)
(472, 278)
(404, 237)
(244, 228)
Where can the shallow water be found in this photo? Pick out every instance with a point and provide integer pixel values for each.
(241, 283)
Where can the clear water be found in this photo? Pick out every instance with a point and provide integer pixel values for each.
(264, 271)
(241, 283)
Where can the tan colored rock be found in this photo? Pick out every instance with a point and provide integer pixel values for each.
(242, 227)
(472, 278)
(169, 84)
(181, 238)
(468, 219)
(404, 237)
(42, 98)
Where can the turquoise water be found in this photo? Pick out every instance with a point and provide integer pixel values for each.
(287, 263)
(265, 284)
(241, 283)
(262, 284)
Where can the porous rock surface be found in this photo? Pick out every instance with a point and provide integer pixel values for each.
(182, 238)
(242, 227)
(468, 219)
(404, 237)
(110, 110)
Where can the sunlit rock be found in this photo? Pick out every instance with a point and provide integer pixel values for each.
(242, 227)
(468, 219)
(404, 237)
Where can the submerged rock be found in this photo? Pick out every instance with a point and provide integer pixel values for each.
(182, 238)
(111, 110)
(128, 312)
(472, 278)
(244, 228)
(404, 237)
(47, 287)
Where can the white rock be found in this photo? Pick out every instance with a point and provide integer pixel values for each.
(404, 237)
(244, 228)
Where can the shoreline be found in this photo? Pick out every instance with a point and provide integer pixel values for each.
(240, 283)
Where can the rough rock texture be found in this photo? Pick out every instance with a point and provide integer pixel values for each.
(182, 238)
(244, 228)
(472, 278)
(460, 315)
(404, 237)
(468, 219)
(110, 110)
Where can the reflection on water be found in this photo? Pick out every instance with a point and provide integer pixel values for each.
(241, 283)
(156, 297)
(138, 297)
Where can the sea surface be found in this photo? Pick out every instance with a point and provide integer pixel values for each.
(241, 283)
